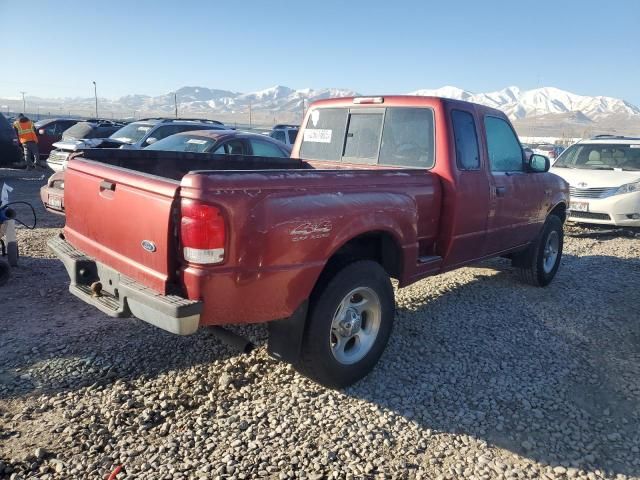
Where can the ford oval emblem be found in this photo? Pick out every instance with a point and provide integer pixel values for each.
(148, 245)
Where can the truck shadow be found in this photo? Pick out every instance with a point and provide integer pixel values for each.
(550, 374)
(51, 342)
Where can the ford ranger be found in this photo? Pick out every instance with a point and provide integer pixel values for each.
(377, 188)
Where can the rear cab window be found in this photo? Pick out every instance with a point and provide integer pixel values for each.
(386, 136)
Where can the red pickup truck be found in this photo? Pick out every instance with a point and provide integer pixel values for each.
(378, 187)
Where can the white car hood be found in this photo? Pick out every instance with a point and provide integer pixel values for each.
(596, 178)
(74, 145)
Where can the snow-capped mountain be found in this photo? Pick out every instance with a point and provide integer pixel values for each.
(199, 100)
(519, 104)
(287, 102)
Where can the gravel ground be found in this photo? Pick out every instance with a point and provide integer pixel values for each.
(483, 378)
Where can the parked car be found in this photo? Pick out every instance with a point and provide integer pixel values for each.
(400, 186)
(10, 150)
(83, 134)
(134, 135)
(92, 128)
(548, 150)
(143, 133)
(229, 142)
(526, 148)
(285, 133)
(604, 178)
(50, 131)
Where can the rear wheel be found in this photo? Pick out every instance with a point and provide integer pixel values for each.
(349, 323)
(539, 263)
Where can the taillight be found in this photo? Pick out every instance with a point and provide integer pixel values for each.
(202, 232)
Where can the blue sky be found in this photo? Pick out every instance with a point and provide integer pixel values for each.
(152, 47)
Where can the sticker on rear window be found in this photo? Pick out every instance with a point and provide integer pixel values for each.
(196, 141)
(315, 116)
(317, 135)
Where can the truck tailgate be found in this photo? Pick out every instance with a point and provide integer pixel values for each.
(122, 218)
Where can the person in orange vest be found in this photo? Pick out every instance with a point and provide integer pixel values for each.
(27, 135)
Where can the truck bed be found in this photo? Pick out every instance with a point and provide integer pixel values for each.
(175, 165)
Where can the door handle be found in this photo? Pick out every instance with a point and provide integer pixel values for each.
(501, 191)
(107, 185)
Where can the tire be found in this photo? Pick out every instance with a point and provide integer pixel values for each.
(13, 254)
(539, 264)
(5, 272)
(348, 326)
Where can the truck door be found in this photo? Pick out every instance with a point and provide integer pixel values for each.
(514, 216)
(472, 191)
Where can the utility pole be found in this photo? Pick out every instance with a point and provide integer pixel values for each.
(175, 102)
(134, 114)
(24, 104)
(95, 93)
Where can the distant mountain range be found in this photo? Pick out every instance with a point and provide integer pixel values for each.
(549, 103)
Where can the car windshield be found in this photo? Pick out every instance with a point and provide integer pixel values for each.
(183, 143)
(600, 156)
(132, 133)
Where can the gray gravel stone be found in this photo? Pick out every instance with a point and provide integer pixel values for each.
(483, 378)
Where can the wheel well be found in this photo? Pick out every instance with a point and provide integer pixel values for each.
(380, 247)
(560, 211)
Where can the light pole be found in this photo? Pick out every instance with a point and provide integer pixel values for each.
(175, 102)
(24, 104)
(95, 93)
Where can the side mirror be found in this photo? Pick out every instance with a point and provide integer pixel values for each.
(151, 140)
(538, 163)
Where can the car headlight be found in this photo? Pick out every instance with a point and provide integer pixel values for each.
(58, 184)
(628, 188)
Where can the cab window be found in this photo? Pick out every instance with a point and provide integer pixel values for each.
(407, 138)
(466, 140)
(503, 147)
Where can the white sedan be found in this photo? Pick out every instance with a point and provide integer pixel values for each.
(604, 179)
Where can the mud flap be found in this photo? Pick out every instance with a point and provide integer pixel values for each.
(285, 336)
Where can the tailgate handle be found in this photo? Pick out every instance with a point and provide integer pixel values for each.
(107, 185)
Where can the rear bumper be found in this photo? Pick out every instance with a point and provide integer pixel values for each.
(120, 296)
